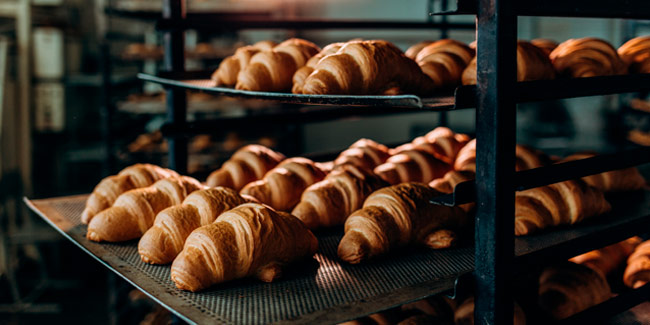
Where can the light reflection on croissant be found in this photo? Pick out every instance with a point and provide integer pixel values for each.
(587, 57)
(249, 240)
(165, 239)
(226, 74)
(272, 70)
(364, 68)
(636, 54)
(134, 211)
(444, 61)
(110, 188)
(246, 165)
(301, 75)
(398, 216)
(364, 153)
(532, 64)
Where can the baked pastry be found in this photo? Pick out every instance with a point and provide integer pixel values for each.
(272, 70)
(464, 315)
(442, 142)
(413, 51)
(532, 64)
(586, 57)
(107, 191)
(364, 153)
(628, 179)
(444, 61)
(398, 216)
(564, 203)
(283, 185)
(330, 201)
(636, 54)
(637, 272)
(526, 158)
(545, 45)
(226, 74)
(134, 211)
(246, 165)
(447, 184)
(416, 165)
(366, 68)
(609, 258)
(301, 75)
(249, 240)
(165, 239)
(570, 288)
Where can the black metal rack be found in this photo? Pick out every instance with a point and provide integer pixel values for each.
(495, 258)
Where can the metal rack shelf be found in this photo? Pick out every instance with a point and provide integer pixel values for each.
(565, 8)
(327, 291)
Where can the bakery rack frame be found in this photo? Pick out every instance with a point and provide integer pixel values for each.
(498, 255)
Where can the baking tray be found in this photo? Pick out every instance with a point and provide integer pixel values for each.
(323, 291)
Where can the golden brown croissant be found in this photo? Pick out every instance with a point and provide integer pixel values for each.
(416, 165)
(134, 211)
(226, 74)
(465, 313)
(330, 201)
(545, 45)
(587, 57)
(448, 183)
(532, 64)
(283, 185)
(367, 67)
(569, 288)
(609, 258)
(248, 164)
(444, 61)
(301, 75)
(413, 51)
(637, 272)
(272, 70)
(364, 153)
(444, 144)
(628, 179)
(636, 54)
(397, 216)
(249, 240)
(165, 239)
(564, 203)
(107, 191)
(526, 158)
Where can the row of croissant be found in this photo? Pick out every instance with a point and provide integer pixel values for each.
(379, 67)
(265, 206)
(562, 290)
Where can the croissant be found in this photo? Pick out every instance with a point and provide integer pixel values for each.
(398, 216)
(586, 57)
(444, 144)
(416, 165)
(301, 75)
(444, 61)
(165, 239)
(448, 183)
(248, 164)
(367, 67)
(328, 202)
(564, 203)
(569, 288)
(608, 259)
(134, 211)
(364, 153)
(545, 45)
(283, 185)
(636, 54)
(628, 179)
(637, 272)
(107, 191)
(532, 64)
(413, 51)
(526, 158)
(249, 240)
(464, 315)
(272, 70)
(226, 74)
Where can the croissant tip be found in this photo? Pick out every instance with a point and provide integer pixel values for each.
(353, 248)
(91, 235)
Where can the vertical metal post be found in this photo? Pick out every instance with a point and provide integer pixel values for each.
(495, 160)
(23, 40)
(174, 60)
(107, 112)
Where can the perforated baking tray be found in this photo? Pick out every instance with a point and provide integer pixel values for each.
(321, 291)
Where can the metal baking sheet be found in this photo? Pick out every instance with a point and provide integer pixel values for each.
(322, 291)
(442, 103)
